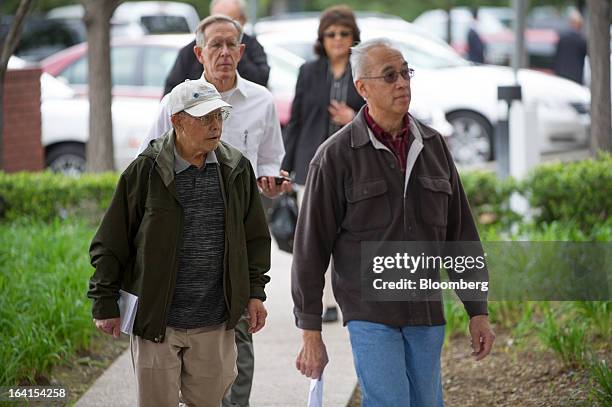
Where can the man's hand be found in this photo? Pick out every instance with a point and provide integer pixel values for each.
(269, 187)
(482, 336)
(312, 358)
(340, 113)
(110, 326)
(257, 315)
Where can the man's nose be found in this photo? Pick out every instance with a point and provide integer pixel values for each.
(216, 123)
(225, 49)
(401, 82)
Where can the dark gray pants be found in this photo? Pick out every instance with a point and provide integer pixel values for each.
(239, 394)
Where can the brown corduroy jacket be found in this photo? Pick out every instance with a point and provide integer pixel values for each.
(355, 192)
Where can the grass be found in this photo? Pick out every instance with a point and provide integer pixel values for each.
(44, 312)
(601, 382)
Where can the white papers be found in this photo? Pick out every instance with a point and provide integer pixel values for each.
(128, 304)
(315, 395)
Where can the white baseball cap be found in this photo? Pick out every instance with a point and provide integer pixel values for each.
(197, 97)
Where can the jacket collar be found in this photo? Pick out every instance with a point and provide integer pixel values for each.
(161, 151)
(360, 136)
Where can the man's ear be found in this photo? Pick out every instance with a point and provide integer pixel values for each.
(176, 120)
(242, 48)
(360, 87)
(197, 50)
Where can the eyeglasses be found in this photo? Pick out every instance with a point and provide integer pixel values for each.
(217, 115)
(391, 76)
(334, 34)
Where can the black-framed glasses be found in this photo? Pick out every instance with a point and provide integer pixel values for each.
(334, 34)
(207, 119)
(391, 76)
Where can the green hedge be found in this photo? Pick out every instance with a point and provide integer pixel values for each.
(578, 193)
(46, 196)
(489, 197)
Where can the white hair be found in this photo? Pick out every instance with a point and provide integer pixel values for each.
(359, 55)
(217, 18)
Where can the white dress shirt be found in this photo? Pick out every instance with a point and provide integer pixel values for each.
(252, 127)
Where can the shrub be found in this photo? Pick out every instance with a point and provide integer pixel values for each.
(568, 342)
(45, 196)
(489, 197)
(573, 193)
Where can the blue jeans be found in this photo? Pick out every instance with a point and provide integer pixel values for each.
(397, 367)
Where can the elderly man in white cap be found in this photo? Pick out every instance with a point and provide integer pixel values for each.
(186, 233)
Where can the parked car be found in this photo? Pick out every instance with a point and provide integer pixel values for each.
(139, 66)
(467, 94)
(42, 37)
(65, 126)
(137, 18)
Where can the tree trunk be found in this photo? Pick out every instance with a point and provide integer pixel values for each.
(599, 58)
(99, 152)
(10, 43)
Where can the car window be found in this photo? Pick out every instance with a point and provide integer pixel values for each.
(76, 73)
(165, 24)
(157, 62)
(124, 63)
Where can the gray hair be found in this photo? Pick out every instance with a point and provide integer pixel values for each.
(359, 55)
(216, 18)
(240, 3)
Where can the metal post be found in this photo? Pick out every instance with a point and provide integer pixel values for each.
(252, 17)
(519, 56)
(502, 139)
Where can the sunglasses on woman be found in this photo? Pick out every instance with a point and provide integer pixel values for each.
(391, 76)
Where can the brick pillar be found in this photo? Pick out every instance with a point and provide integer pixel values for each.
(22, 124)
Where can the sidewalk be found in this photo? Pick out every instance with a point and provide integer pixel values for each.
(277, 383)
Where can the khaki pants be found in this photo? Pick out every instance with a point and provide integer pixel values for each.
(201, 363)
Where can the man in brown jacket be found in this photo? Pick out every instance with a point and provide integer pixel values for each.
(384, 177)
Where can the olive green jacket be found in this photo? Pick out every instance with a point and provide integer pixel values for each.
(137, 244)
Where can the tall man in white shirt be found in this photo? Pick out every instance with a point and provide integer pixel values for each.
(253, 128)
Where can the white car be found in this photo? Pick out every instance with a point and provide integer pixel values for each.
(65, 126)
(142, 17)
(467, 93)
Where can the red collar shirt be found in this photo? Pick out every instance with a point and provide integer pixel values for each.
(398, 146)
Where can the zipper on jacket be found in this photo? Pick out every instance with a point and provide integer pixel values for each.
(224, 189)
(162, 329)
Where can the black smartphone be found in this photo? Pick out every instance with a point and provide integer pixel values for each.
(280, 180)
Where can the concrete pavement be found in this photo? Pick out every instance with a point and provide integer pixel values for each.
(277, 383)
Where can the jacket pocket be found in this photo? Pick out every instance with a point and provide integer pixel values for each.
(154, 204)
(435, 194)
(367, 206)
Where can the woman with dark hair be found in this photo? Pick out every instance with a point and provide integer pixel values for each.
(325, 100)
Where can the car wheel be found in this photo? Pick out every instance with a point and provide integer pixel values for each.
(472, 138)
(68, 159)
